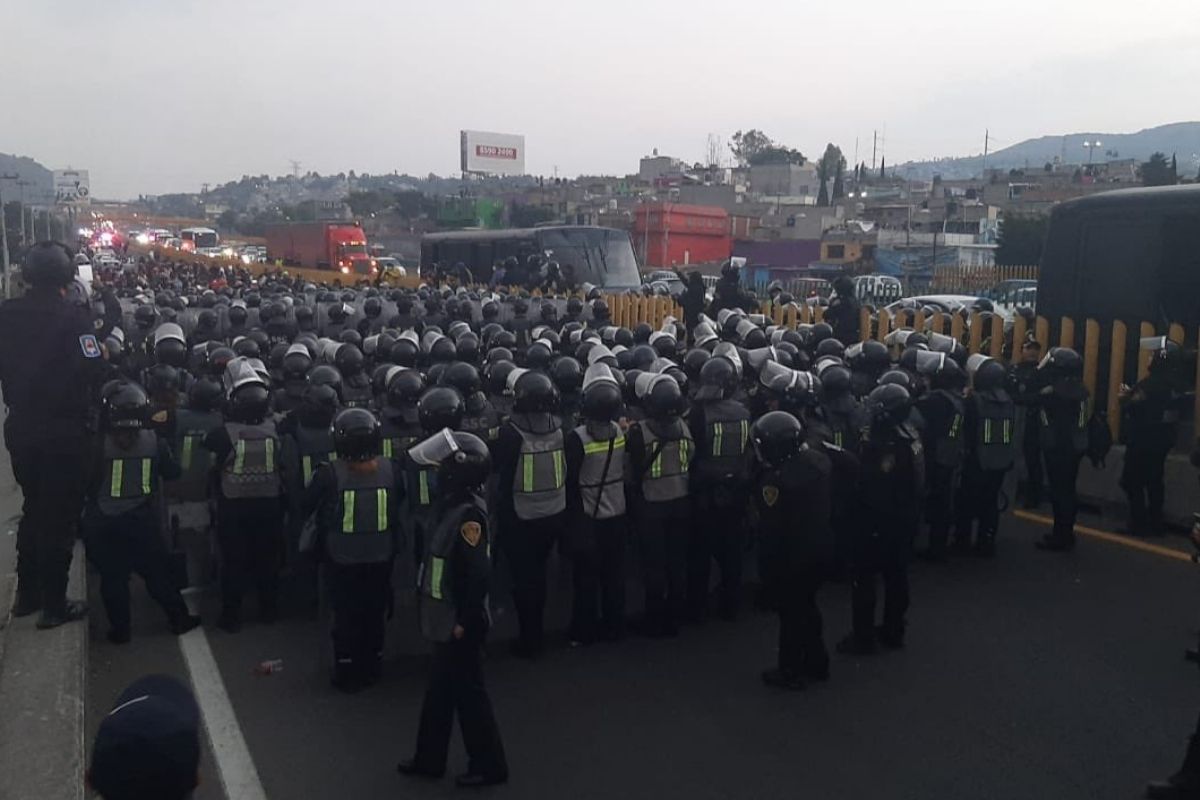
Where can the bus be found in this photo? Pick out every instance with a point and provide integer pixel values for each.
(587, 254)
(196, 238)
(1131, 254)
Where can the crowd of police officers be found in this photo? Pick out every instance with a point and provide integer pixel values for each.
(334, 432)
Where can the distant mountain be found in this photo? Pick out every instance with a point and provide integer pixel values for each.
(41, 179)
(1179, 138)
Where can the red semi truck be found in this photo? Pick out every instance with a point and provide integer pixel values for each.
(340, 246)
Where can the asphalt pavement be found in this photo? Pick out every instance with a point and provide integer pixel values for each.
(1029, 676)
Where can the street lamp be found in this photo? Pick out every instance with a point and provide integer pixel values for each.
(1091, 148)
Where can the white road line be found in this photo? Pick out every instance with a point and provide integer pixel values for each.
(239, 777)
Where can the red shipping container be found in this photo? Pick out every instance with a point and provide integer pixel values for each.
(671, 235)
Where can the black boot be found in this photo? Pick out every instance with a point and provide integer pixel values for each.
(1184, 784)
(69, 611)
(27, 603)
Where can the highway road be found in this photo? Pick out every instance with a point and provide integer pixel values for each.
(1031, 676)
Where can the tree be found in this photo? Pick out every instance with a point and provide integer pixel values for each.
(1047, 167)
(1174, 170)
(227, 221)
(1020, 240)
(364, 204)
(830, 168)
(1156, 171)
(839, 187)
(753, 148)
(882, 167)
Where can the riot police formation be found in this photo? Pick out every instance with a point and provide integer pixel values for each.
(352, 437)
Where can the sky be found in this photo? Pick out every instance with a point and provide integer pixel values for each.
(155, 96)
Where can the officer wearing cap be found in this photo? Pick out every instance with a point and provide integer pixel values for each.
(48, 380)
(148, 746)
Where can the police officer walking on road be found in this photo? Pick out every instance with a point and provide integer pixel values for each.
(1063, 429)
(50, 363)
(453, 588)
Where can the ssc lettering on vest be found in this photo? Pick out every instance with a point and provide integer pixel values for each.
(602, 472)
(251, 471)
(130, 474)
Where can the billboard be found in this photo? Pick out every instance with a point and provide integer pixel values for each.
(492, 153)
(71, 186)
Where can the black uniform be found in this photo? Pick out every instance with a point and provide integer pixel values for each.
(719, 484)
(1025, 384)
(454, 617)
(121, 526)
(50, 364)
(1150, 416)
(795, 531)
(1062, 424)
(890, 491)
(942, 411)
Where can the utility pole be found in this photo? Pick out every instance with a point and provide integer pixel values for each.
(4, 265)
(21, 188)
(874, 147)
(986, 135)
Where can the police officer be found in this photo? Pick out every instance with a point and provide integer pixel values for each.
(187, 495)
(596, 511)
(356, 499)
(454, 579)
(988, 431)
(51, 363)
(531, 494)
(1150, 415)
(1025, 384)
(942, 410)
(792, 498)
(891, 484)
(660, 449)
(249, 498)
(720, 427)
(121, 525)
(1062, 417)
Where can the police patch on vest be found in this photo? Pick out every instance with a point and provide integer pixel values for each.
(159, 417)
(887, 463)
(770, 494)
(89, 346)
(471, 533)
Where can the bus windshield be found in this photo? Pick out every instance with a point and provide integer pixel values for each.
(600, 256)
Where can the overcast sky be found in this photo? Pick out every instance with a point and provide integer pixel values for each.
(155, 96)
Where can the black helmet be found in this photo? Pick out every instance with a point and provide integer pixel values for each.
(889, 404)
(497, 375)
(296, 363)
(988, 374)
(440, 407)
(504, 339)
(900, 378)
(144, 317)
(830, 347)
(246, 347)
(463, 377)
(601, 401)
(304, 315)
(357, 435)
(442, 351)
(351, 336)
(249, 403)
(467, 347)
(534, 391)
(206, 319)
(326, 375)
(205, 394)
(124, 405)
(537, 356)
(718, 379)
(664, 398)
(1063, 361)
(162, 379)
(694, 361)
(403, 353)
(405, 388)
(238, 315)
(835, 380)
(372, 307)
(497, 354)
(567, 374)
(318, 404)
(777, 436)
(462, 459)
(349, 360)
(49, 264)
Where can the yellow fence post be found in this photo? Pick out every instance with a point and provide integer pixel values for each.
(818, 314)
(789, 316)
(1042, 333)
(1091, 357)
(1116, 376)
(885, 321)
(919, 320)
(956, 326)
(996, 340)
(1066, 337)
(1144, 356)
(976, 336)
(1175, 333)
(864, 324)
